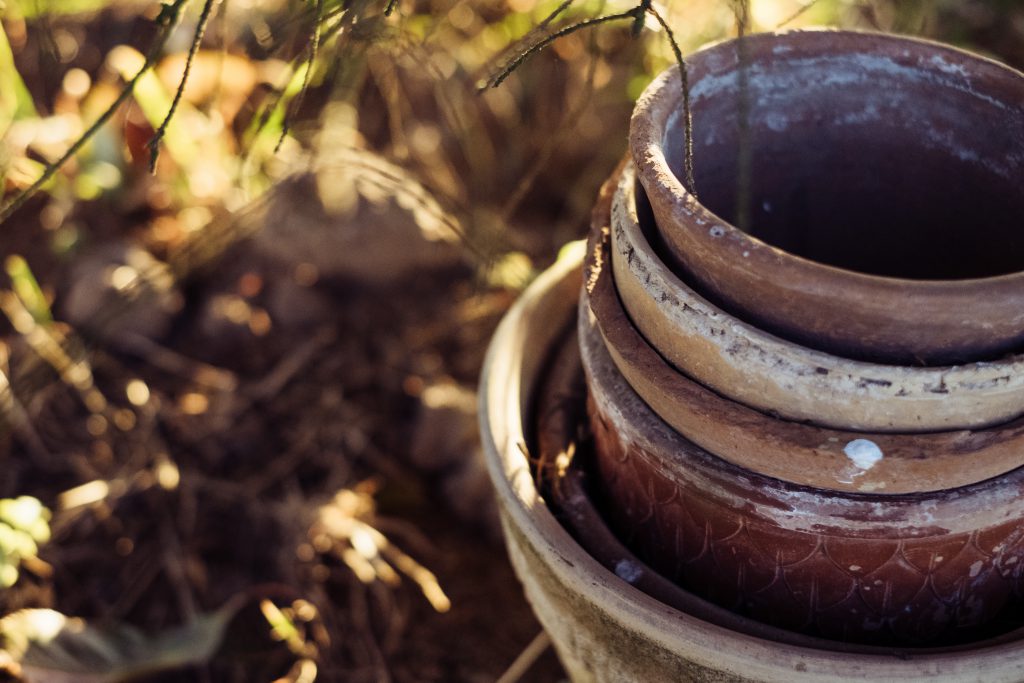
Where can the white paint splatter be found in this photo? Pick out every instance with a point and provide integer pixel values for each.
(716, 231)
(627, 571)
(975, 569)
(949, 67)
(863, 453)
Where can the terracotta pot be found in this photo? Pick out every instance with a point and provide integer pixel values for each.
(566, 484)
(850, 566)
(884, 192)
(904, 569)
(761, 370)
(603, 628)
(787, 450)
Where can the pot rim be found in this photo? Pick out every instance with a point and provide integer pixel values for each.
(645, 141)
(851, 313)
(794, 381)
(867, 511)
(556, 433)
(510, 374)
(779, 448)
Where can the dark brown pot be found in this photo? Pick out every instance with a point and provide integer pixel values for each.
(561, 411)
(863, 567)
(885, 192)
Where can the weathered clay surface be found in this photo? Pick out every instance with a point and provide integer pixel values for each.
(561, 409)
(884, 194)
(603, 628)
(836, 564)
(870, 462)
(777, 554)
(761, 370)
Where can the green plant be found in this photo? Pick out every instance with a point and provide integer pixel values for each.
(24, 524)
(638, 15)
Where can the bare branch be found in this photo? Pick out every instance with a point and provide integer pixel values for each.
(197, 38)
(168, 19)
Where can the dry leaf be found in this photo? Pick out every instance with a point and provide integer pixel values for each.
(50, 647)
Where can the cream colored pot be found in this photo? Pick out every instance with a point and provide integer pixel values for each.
(603, 628)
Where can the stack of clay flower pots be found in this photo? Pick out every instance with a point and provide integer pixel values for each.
(806, 454)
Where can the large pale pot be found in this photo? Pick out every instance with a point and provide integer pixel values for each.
(603, 628)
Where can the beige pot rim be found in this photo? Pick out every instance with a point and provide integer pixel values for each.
(641, 632)
(796, 452)
(780, 377)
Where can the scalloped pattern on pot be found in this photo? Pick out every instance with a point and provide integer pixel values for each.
(819, 573)
(603, 628)
(844, 588)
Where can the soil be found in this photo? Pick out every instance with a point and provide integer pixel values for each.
(280, 406)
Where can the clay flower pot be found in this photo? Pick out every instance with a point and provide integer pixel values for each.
(604, 628)
(560, 409)
(850, 566)
(791, 451)
(884, 194)
(761, 370)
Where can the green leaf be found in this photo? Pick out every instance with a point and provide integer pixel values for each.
(30, 9)
(154, 100)
(25, 510)
(53, 648)
(15, 99)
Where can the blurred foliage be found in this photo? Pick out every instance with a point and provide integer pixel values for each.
(409, 81)
(24, 524)
(44, 646)
(278, 87)
(32, 9)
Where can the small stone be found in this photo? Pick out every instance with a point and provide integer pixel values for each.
(446, 427)
(119, 288)
(295, 306)
(358, 217)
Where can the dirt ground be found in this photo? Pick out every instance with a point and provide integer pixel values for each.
(274, 404)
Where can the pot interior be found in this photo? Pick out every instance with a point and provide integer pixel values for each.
(905, 165)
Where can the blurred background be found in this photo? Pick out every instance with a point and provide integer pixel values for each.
(239, 345)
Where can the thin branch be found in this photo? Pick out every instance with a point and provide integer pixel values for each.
(745, 162)
(537, 47)
(568, 122)
(546, 21)
(684, 77)
(808, 4)
(168, 20)
(314, 51)
(637, 14)
(526, 658)
(640, 11)
(154, 143)
(519, 44)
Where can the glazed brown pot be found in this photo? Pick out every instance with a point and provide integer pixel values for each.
(761, 370)
(561, 407)
(792, 451)
(850, 566)
(884, 194)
